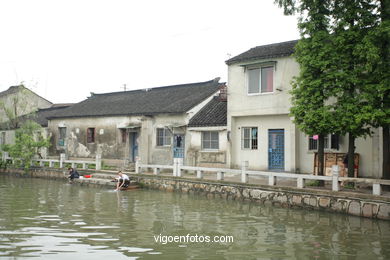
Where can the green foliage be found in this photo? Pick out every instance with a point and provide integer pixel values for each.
(28, 141)
(315, 183)
(92, 166)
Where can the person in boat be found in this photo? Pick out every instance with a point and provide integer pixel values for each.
(73, 174)
(123, 181)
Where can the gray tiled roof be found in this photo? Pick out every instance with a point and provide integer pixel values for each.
(274, 50)
(160, 100)
(213, 113)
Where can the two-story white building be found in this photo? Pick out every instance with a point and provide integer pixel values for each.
(260, 129)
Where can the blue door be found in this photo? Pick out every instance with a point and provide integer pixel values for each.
(178, 146)
(134, 145)
(276, 149)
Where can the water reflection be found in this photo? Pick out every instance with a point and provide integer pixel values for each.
(51, 218)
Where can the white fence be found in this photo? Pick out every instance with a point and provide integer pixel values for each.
(335, 179)
(62, 161)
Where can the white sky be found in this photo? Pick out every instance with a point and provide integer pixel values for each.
(65, 49)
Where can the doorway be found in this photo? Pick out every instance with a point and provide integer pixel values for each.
(276, 149)
(133, 145)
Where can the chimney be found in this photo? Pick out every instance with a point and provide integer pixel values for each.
(223, 92)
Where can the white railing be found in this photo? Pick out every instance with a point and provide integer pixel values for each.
(335, 179)
(62, 161)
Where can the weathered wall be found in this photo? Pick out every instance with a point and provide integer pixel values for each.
(107, 136)
(108, 140)
(28, 102)
(164, 154)
(196, 156)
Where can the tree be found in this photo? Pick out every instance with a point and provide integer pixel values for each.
(351, 22)
(312, 89)
(28, 141)
(357, 68)
(379, 38)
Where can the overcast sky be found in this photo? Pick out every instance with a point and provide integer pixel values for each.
(63, 50)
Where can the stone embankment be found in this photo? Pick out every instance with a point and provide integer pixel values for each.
(363, 205)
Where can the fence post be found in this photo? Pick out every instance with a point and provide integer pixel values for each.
(300, 183)
(335, 177)
(156, 171)
(179, 164)
(244, 175)
(98, 161)
(174, 167)
(51, 164)
(137, 165)
(199, 174)
(62, 160)
(271, 180)
(376, 189)
(220, 176)
(84, 166)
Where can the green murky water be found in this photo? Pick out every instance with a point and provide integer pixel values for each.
(55, 220)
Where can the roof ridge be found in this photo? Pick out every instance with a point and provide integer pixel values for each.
(276, 43)
(157, 88)
(273, 50)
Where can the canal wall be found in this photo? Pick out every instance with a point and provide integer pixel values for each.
(363, 205)
(357, 204)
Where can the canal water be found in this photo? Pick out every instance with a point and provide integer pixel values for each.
(56, 220)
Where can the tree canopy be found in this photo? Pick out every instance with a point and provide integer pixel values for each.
(343, 86)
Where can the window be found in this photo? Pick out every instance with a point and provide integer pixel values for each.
(61, 136)
(164, 137)
(90, 135)
(249, 138)
(123, 135)
(210, 140)
(260, 80)
(330, 142)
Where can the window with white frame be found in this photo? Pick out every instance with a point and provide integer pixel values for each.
(249, 138)
(260, 80)
(331, 141)
(210, 140)
(164, 137)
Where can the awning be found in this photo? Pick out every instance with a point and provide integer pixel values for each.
(129, 126)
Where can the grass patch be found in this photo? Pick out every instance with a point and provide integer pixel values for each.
(315, 183)
(349, 185)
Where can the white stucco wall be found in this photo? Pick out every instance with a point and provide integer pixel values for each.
(278, 102)
(270, 111)
(265, 111)
(258, 159)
